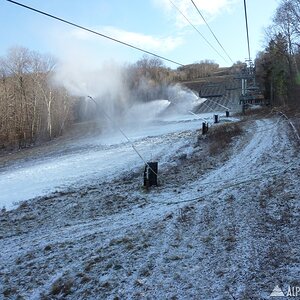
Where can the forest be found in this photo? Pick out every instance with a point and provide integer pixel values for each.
(35, 108)
(32, 109)
(277, 66)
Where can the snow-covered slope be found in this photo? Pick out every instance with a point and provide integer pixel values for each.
(221, 227)
(100, 157)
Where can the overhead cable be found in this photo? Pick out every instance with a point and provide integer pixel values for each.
(211, 31)
(247, 30)
(94, 32)
(197, 30)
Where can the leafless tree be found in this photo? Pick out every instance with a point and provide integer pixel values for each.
(31, 108)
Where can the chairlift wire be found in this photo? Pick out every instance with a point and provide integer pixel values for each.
(94, 32)
(211, 31)
(197, 30)
(247, 30)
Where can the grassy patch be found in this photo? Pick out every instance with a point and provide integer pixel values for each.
(258, 111)
(221, 136)
(62, 286)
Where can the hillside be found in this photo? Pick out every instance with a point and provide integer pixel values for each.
(219, 226)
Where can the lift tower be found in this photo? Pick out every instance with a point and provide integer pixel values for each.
(250, 92)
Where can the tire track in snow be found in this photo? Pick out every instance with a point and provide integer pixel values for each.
(249, 160)
(261, 158)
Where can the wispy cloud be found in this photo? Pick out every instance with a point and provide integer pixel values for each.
(147, 42)
(210, 9)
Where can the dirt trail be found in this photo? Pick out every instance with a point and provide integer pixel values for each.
(236, 240)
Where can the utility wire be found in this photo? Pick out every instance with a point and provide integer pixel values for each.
(94, 32)
(198, 116)
(197, 30)
(222, 188)
(218, 103)
(123, 133)
(247, 30)
(211, 31)
(207, 104)
(291, 124)
(170, 201)
(232, 182)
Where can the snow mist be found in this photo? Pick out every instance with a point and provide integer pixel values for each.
(120, 100)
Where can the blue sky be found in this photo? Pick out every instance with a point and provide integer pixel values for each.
(151, 24)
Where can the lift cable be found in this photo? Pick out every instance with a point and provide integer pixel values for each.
(197, 30)
(94, 32)
(212, 31)
(247, 30)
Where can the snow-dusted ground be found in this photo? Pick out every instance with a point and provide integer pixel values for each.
(217, 227)
(101, 156)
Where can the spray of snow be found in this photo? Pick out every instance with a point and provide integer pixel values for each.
(183, 100)
(108, 85)
(145, 112)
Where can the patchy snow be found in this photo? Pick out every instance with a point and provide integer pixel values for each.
(217, 227)
(101, 157)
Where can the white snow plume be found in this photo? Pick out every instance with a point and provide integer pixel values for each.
(146, 112)
(105, 84)
(121, 101)
(183, 100)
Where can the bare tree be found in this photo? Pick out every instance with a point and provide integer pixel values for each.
(284, 20)
(31, 107)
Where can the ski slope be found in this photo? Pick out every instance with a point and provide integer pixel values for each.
(98, 158)
(227, 233)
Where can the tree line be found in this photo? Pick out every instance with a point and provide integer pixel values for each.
(31, 108)
(34, 109)
(277, 67)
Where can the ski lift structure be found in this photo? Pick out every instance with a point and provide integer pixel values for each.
(250, 92)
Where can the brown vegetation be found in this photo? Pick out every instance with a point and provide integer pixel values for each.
(34, 109)
(193, 71)
(221, 136)
(31, 108)
(277, 66)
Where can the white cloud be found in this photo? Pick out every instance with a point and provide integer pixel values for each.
(147, 42)
(209, 8)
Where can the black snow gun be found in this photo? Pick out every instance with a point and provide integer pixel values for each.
(150, 174)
